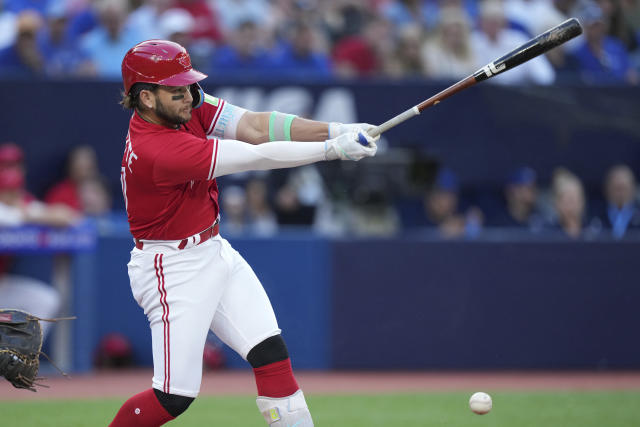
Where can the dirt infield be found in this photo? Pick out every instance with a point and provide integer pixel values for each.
(125, 383)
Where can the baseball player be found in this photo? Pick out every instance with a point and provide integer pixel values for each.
(184, 275)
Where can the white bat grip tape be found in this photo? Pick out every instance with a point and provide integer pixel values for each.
(411, 112)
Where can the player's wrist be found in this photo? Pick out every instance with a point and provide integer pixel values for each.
(334, 130)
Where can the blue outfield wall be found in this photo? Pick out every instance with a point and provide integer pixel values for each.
(412, 304)
(485, 305)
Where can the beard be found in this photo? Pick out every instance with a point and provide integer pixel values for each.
(169, 117)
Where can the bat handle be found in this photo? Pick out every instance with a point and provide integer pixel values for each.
(394, 121)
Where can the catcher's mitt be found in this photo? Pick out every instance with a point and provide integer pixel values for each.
(20, 345)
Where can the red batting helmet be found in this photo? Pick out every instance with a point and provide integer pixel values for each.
(158, 61)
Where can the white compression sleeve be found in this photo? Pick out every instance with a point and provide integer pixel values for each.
(235, 156)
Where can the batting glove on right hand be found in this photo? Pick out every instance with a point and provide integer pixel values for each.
(349, 146)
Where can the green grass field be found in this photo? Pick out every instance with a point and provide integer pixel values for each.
(510, 409)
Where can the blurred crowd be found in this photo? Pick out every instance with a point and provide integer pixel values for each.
(264, 204)
(313, 39)
(82, 192)
(562, 209)
(309, 198)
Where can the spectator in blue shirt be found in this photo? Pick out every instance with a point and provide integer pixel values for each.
(622, 211)
(442, 208)
(82, 20)
(17, 6)
(107, 44)
(521, 195)
(245, 55)
(602, 59)
(424, 13)
(300, 55)
(23, 59)
(61, 52)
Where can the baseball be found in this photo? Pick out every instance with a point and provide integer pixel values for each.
(480, 403)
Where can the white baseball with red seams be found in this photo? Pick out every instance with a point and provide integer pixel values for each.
(480, 403)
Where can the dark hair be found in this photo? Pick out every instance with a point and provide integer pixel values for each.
(132, 100)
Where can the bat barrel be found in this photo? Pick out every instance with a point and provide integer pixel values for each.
(559, 34)
(537, 46)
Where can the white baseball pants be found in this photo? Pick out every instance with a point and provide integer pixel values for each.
(184, 293)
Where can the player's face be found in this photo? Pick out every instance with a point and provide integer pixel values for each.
(173, 104)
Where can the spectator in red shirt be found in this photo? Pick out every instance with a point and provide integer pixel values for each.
(206, 21)
(363, 55)
(83, 190)
(10, 155)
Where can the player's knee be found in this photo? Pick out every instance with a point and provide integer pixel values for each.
(173, 403)
(271, 350)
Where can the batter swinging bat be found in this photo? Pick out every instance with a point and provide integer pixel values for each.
(534, 47)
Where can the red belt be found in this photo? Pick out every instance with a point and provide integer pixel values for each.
(204, 236)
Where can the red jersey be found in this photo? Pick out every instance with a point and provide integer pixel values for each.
(167, 175)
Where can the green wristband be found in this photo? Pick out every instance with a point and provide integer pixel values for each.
(272, 120)
(280, 126)
(287, 126)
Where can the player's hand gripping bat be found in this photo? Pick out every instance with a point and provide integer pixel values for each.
(534, 47)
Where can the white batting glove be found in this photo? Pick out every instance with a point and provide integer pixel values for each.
(349, 146)
(337, 129)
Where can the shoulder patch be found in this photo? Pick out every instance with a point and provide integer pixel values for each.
(211, 100)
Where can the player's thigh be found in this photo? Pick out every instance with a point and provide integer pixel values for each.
(178, 343)
(179, 293)
(244, 316)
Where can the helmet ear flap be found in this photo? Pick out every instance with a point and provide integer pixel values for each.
(198, 95)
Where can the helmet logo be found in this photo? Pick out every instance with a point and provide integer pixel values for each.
(183, 60)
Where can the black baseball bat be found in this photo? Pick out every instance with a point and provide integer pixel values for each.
(537, 46)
